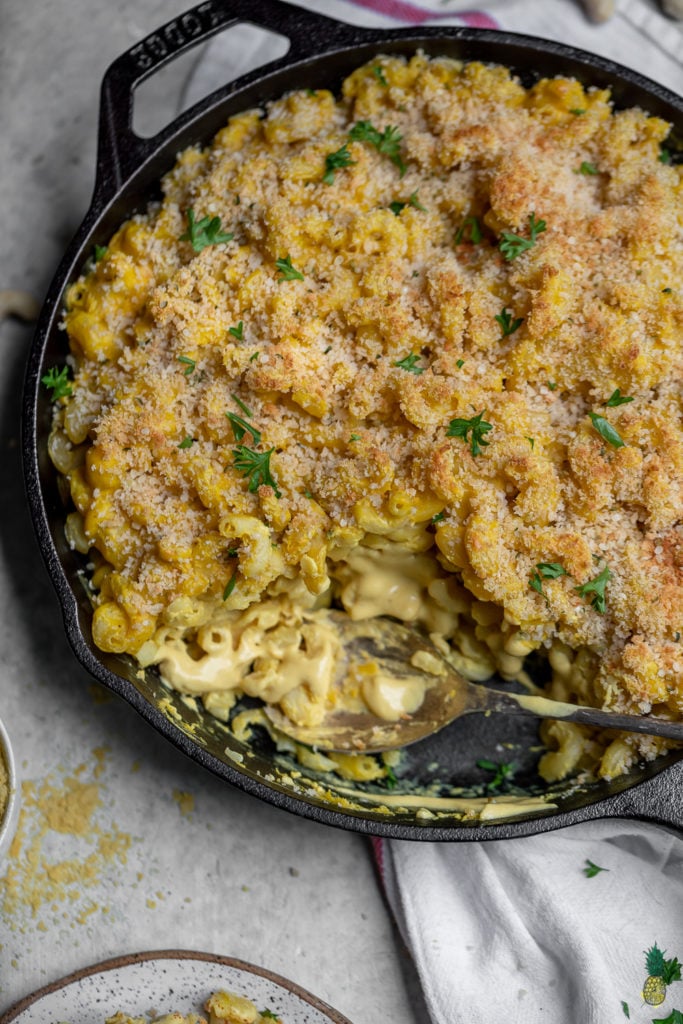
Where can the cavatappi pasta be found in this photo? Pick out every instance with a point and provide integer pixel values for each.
(221, 1008)
(416, 352)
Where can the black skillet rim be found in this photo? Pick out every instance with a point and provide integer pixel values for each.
(656, 796)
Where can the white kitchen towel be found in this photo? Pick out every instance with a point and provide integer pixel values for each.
(515, 931)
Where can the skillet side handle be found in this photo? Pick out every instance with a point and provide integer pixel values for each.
(120, 151)
(658, 800)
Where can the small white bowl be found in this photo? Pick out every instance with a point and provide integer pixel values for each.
(8, 820)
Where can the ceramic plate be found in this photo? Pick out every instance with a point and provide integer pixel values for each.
(159, 982)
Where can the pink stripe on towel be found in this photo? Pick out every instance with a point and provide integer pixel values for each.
(401, 10)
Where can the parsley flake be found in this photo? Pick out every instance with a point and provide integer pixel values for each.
(666, 291)
(230, 586)
(256, 466)
(664, 156)
(591, 869)
(503, 773)
(57, 381)
(189, 363)
(253, 357)
(507, 325)
(237, 332)
(390, 779)
(335, 162)
(204, 232)
(616, 398)
(587, 168)
(577, 111)
(397, 206)
(386, 142)
(551, 385)
(245, 408)
(478, 427)
(186, 442)
(460, 363)
(354, 437)
(100, 252)
(513, 245)
(625, 1009)
(287, 271)
(471, 225)
(439, 517)
(532, 441)
(545, 571)
(606, 430)
(378, 72)
(269, 1015)
(597, 588)
(410, 364)
(240, 427)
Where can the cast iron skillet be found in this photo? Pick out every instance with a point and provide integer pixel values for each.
(321, 53)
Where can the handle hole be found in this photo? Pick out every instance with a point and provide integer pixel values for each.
(197, 73)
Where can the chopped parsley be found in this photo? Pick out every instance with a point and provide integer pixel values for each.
(616, 398)
(532, 441)
(545, 571)
(597, 588)
(100, 252)
(287, 271)
(606, 430)
(413, 201)
(237, 332)
(578, 111)
(240, 427)
(460, 363)
(269, 1015)
(230, 586)
(189, 363)
(253, 357)
(471, 225)
(335, 162)
(666, 291)
(410, 364)
(507, 324)
(354, 437)
(390, 779)
(57, 381)
(439, 517)
(386, 142)
(378, 72)
(256, 466)
(587, 168)
(204, 232)
(625, 1009)
(186, 442)
(478, 427)
(591, 869)
(245, 408)
(664, 156)
(552, 385)
(513, 245)
(503, 773)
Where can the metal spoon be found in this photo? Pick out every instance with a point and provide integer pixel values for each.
(390, 646)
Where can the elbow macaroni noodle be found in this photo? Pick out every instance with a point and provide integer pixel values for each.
(369, 298)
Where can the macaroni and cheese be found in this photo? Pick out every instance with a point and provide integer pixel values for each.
(416, 352)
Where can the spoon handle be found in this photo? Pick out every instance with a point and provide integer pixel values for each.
(544, 707)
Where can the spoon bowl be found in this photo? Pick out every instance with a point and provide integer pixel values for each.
(393, 656)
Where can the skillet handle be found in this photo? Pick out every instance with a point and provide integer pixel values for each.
(658, 800)
(120, 151)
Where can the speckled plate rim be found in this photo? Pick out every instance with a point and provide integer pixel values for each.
(8, 819)
(297, 999)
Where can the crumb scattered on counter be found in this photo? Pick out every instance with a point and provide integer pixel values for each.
(184, 800)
